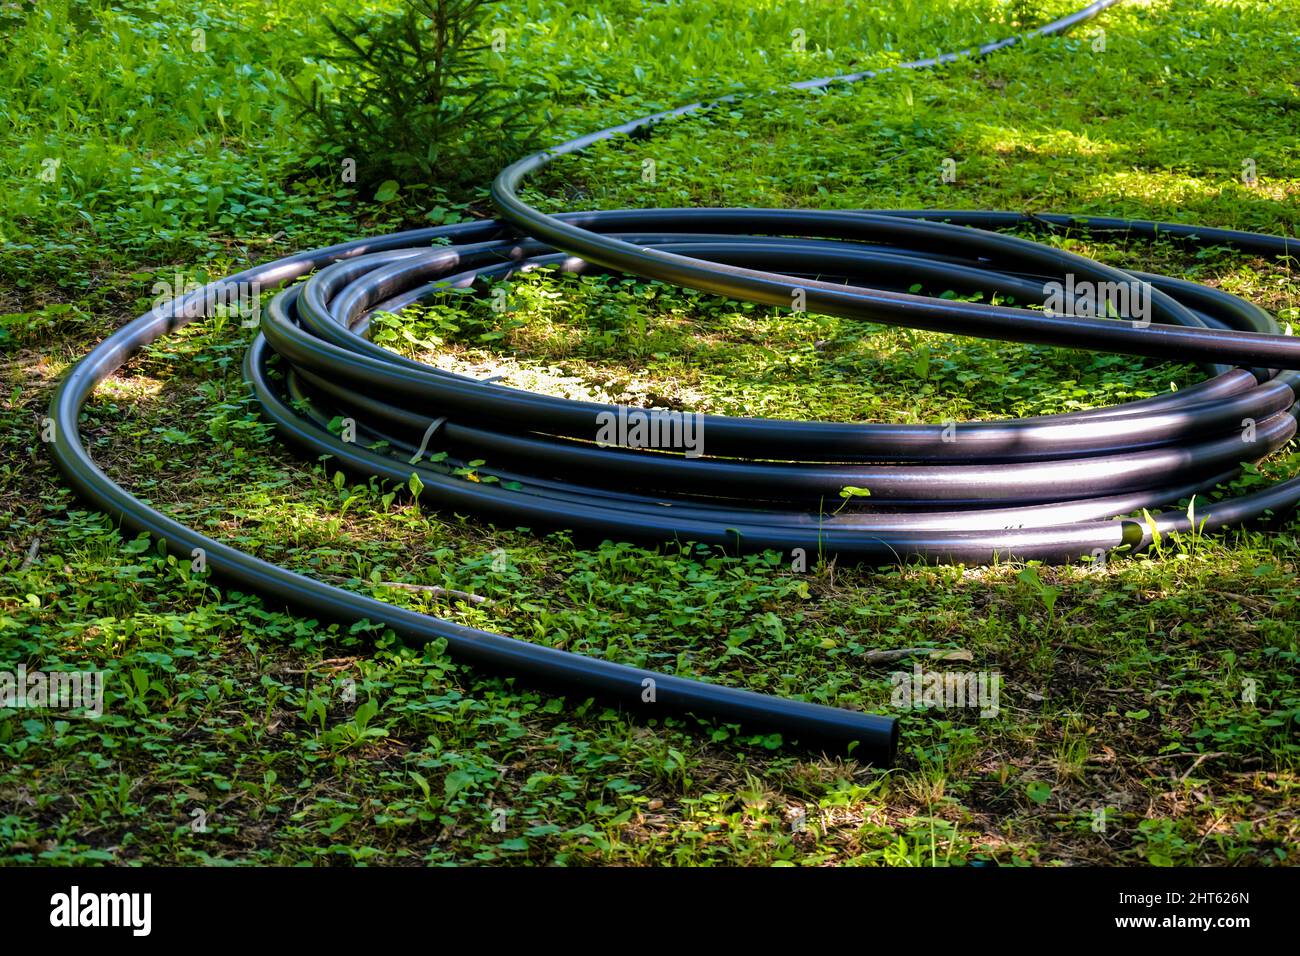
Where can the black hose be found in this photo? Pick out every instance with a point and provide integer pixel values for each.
(1048, 488)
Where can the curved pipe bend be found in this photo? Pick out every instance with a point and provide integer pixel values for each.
(1054, 487)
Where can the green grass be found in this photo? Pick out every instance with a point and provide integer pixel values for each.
(295, 741)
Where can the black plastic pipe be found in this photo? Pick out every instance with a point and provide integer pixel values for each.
(1054, 487)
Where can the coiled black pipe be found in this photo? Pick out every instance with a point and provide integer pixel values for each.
(1046, 488)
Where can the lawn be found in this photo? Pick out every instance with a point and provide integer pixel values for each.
(1149, 705)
